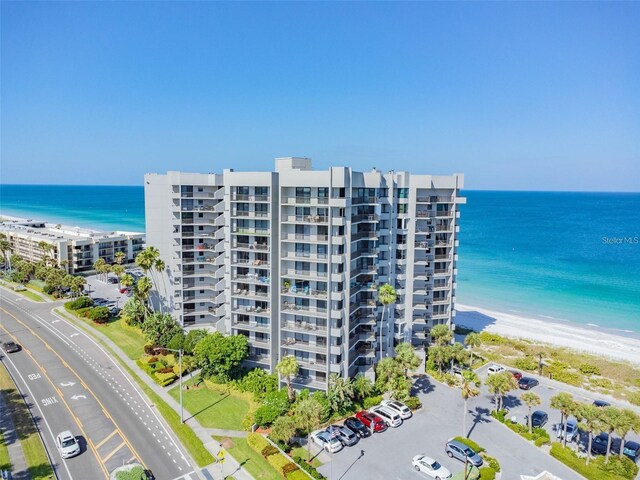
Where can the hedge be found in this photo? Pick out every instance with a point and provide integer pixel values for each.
(302, 463)
(413, 403)
(487, 473)
(165, 379)
(257, 442)
(596, 469)
(297, 475)
(470, 443)
(371, 402)
(279, 462)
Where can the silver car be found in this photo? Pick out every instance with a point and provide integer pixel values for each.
(459, 450)
(67, 444)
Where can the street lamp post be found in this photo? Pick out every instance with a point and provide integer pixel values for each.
(180, 367)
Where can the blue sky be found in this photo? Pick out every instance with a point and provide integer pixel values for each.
(531, 95)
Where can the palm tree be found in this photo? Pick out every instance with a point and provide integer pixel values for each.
(159, 267)
(469, 383)
(142, 290)
(627, 421)
(386, 296)
(64, 264)
(440, 356)
(47, 249)
(340, 392)
(77, 285)
(5, 248)
(362, 386)
(308, 413)
(565, 403)
(283, 428)
(118, 270)
(127, 280)
(98, 266)
(531, 400)
(407, 357)
(119, 257)
(609, 419)
(589, 417)
(499, 384)
(288, 367)
(472, 340)
(441, 335)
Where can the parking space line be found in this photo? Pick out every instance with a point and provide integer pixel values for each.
(98, 445)
(113, 452)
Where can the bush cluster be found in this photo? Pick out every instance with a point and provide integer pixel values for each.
(413, 403)
(371, 402)
(308, 468)
(99, 314)
(526, 363)
(278, 461)
(470, 443)
(487, 473)
(616, 469)
(80, 302)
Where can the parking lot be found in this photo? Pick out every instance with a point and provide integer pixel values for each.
(388, 455)
(98, 289)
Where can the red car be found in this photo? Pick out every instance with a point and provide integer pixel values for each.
(367, 418)
(124, 290)
(517, 375)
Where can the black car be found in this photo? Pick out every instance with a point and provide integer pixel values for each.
(631, 450)
(10, 347)
(527, 383)
(601, 403)
(538, 419)
(599, 444)
(355, 425)
(112, 280)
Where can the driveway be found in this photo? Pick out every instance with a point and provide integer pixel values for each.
(388, 455)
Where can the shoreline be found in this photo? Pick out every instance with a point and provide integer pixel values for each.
(616, 345)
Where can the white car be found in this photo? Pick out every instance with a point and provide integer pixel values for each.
(390, 417)
(67, 444)
(326, 441)
(493, 369)
(398, 407)
(429, 466)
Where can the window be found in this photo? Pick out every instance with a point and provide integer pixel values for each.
(322, 251)
(323, 192)
(262, 191)
(403, 193)
(303, 192)
(403, 208)
(338, 193)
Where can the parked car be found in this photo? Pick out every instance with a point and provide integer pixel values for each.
(599, 444)
(460, 451)
(398, 407)
(516, 374)
(347, 437)
(390, 417)
(124, 290)
(493, 369)
(326, 441)
(368, 418)
(527, 383)
(67, 444)
(114, 311)
(572, 430)
(632, 450)
(429, 466)
(355, 425)
(538, 419)
(112, 280)
(10, 347)
(601, 403)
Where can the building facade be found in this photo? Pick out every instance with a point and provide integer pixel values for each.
(293, 259)
(72, 248)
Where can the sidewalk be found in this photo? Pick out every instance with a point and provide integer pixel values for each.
(214, 471)
(19, 468)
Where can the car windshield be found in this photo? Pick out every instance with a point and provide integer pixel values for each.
(69, 442)
(600, 440)
(469, 453)
(435, 465)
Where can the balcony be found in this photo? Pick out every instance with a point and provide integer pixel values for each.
(367, 217)
(293, 344)
(304, 274)
(306, 219)
(250, 231)
(249, 214)
(263, 264)
(357, 200)
(262, 327)
(300, 237)
(251, 310)
(299, 326)
(304, 292)
(252, 278)
(425, 214)
(239, 197)
(249, 294)
(301, 309)
(250, 246)
(309, 382)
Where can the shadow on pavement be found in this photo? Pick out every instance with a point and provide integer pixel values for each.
(352, 464)
(480, 415)
(422, 385)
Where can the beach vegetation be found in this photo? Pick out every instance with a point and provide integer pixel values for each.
(530, 399)
(499, 385)
(618, 469)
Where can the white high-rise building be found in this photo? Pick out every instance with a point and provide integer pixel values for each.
(293, 259)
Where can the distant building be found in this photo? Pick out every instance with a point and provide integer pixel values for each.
(73, 248)
(293, 258)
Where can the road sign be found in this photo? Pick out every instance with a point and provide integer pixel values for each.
(221, 457)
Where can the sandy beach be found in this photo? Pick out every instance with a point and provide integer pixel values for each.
(595, 340)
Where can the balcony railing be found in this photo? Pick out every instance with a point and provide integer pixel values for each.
(365, 218)
(286, 306)
(251, 246)
(305, 292)
(240, 197)
(303, 326)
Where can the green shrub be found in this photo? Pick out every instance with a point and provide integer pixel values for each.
(297, 475)
(589, 369)
(567, 376)
(493, 463)
(413, 403)
(470, 443)
(274, 405)
(136, 473)
(290, 467)
(526, 363)
(487, 473)
(257, 442)
(258, 382)
(302, 463)
(542, 441)
(371, 402)
(600, 382)
(499, 415)
(623, 467)
(80, 302)
(99, 314)
(165, 379)
(278, 461)
(269, 450)
(596, 470)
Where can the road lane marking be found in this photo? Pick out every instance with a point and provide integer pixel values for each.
(34, 376)
(98, 445)
(67, 384)
(78, 397)
(60, 335)
(113, 452)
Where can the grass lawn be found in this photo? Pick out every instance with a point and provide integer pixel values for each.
(129, 339)
(26, 293)
(302, 453)
(255, 464)
(213, 409)
(34, 452)
(5, 463)
(184, 433)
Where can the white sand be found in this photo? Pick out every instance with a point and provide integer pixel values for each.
(594, 340)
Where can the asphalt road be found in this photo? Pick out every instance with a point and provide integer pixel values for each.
(70, 383)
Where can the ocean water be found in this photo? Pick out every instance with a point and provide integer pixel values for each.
(551, 255)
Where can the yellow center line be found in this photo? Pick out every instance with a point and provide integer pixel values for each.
(95, 452)
(124, 438)
(98, 445)
(113, 452)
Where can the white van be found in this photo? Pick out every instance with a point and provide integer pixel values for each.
(493, 369)
(391, 418)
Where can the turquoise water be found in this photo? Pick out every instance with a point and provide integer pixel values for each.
(552, 255)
